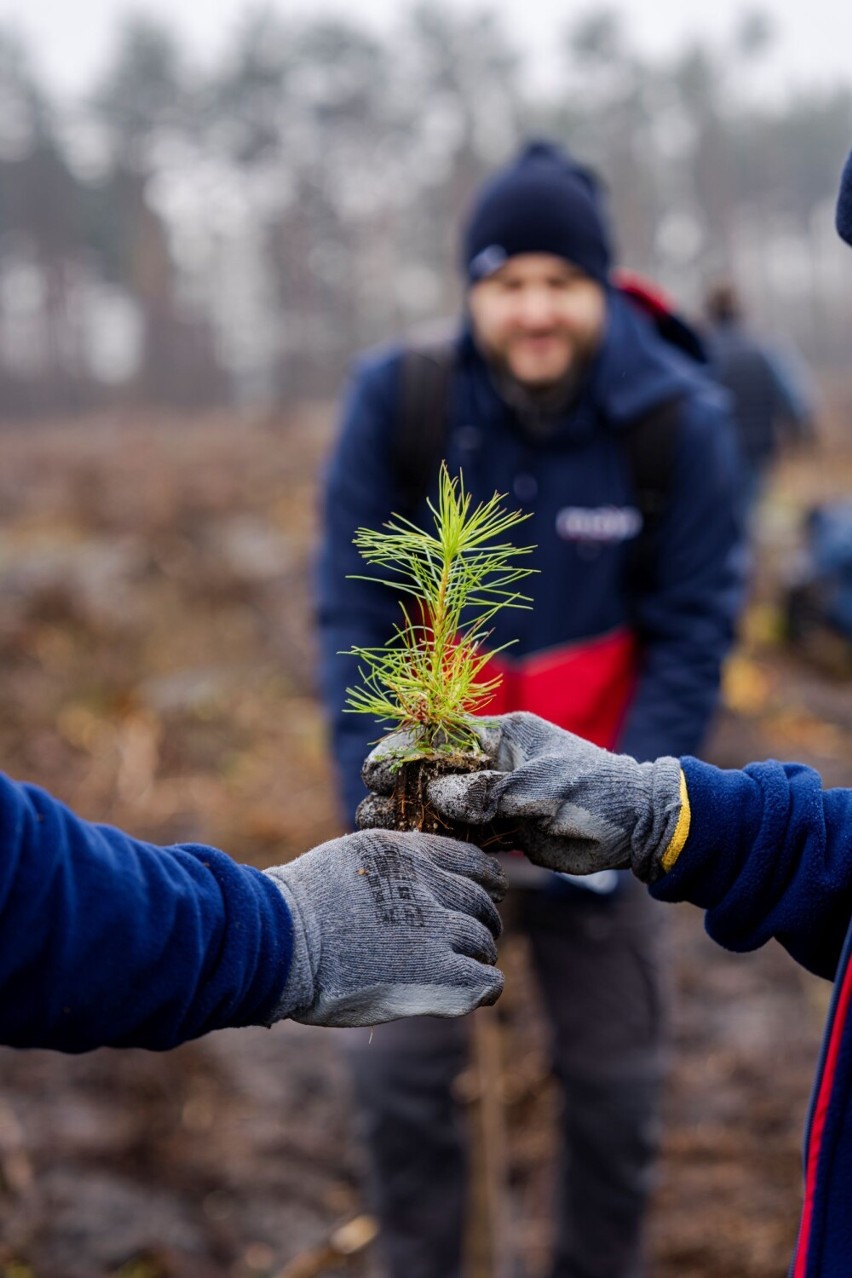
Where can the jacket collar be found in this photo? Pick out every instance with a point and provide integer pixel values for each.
(634, 371)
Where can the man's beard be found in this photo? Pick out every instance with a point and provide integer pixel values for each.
(537, 404)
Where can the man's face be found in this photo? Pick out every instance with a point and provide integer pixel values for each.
(538, 316)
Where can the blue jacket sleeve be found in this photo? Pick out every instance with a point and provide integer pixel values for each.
(109, 941)
(769, 854)
(843, 213)
(792, 392)
(359, 491)
(687, 622)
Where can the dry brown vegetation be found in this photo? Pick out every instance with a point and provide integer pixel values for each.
(156, 664)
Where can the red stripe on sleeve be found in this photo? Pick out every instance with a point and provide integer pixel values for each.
(820, 1113)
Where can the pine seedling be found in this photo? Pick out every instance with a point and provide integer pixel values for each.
(431, 676)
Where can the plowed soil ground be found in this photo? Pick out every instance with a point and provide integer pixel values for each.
(156, 672)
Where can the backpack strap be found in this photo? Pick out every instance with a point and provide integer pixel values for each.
(650, 444)
(418, 439)
(659, 308)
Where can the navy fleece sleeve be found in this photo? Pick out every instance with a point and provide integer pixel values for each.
(687, 622)
(843, 216)
(109, 941)
(360, 491)
(769, 854)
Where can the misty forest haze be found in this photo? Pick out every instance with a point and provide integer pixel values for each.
(232, 236)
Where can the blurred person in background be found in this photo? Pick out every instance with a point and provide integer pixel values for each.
(772, 399)
(560, 392)
(107, 941)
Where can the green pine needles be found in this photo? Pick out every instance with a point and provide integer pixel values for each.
(429, 678)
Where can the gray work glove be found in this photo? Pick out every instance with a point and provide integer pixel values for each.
(387, 924)
(571, 806)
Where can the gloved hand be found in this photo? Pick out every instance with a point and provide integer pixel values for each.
(387, 924)
(576, 808)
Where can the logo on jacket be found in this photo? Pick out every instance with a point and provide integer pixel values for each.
(604, 525)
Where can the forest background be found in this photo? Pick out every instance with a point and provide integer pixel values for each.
(230, 232)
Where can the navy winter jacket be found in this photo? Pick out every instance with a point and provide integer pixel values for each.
(109, 941)
(769, 854)
(578, 487)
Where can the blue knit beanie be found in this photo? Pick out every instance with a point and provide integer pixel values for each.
(543, 202)
(844, 203)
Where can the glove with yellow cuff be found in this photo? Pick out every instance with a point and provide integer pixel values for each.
(576, 808)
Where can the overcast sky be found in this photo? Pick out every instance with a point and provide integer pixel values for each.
(71, 38)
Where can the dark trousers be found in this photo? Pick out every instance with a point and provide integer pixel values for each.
(599, 964)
